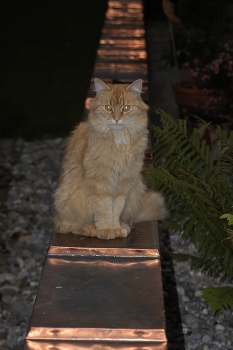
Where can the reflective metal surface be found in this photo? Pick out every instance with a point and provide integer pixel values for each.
(122, 33)
(121, 56)
(126, 55)
(100, 301)
(117, 71)
(69, 345)
(122, 49)
(142, 241)
(123, 43)
(99, 297)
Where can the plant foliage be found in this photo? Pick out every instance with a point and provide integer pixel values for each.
(218, 297)
(197, 185)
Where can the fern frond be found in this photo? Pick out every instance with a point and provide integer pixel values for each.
(197, 185)
(218, 298)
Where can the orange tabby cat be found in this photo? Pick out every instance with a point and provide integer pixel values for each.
(101, 192)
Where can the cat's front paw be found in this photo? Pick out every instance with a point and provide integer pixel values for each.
(89, 230)
(122, 231)
(106, 234)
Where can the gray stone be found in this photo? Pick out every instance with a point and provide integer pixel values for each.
(220, 327)
(205, 347)
(219, 336)
(206, 339)
(180, 290)
(7, 277)
(189, 319)
(9, 290)
(21, 281)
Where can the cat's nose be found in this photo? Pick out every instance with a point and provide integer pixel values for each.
(116, 119)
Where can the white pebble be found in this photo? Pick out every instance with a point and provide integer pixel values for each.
(180, 290)
(220, 327)
(205, 311)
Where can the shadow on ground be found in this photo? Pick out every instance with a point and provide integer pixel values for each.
(173, 318)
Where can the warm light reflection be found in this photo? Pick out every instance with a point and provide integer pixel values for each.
(123, 33)
(122, 14)
(69, 345)
(122, 67)
(129, 4)
(134, 23)
(122, 70)
(86, 251)
(97, 334)
(124, 43)
(115, 54)
(145, 262)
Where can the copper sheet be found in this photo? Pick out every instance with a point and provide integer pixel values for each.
(69, 345)
(121, 295)
(120, 55)
(123, 43)
(117, 23)
(119, 71)
(142, 241)
(126, 4)
(124, 12)
(124, 18)
(123, 33)
(124, 7)
(98, 334)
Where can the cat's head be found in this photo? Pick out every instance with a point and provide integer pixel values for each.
(118, 106)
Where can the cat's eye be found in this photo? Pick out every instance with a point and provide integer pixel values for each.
(108, 108)
(126, 108)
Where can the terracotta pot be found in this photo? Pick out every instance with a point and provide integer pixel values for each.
(187, 96)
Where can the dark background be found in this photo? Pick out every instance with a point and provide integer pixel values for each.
(48, 49)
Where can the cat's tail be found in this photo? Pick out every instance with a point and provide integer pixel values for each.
(154, 207)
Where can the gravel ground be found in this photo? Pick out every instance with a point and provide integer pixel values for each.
(28, 177)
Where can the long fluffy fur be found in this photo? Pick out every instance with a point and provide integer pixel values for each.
(101, 192)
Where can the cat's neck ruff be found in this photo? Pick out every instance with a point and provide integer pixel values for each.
(121, 137)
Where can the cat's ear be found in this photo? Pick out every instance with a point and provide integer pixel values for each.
(100, 86)
(135, 87)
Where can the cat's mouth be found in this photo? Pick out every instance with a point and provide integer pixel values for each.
(116, 126)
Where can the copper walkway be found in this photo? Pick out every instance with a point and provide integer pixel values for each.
(104, 295)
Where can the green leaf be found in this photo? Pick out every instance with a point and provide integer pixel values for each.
(218, 298)
(229, 217)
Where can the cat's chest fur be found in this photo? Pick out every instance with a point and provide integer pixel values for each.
(115, 155)
(121, 139)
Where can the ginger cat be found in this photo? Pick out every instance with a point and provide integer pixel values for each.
(101, 192)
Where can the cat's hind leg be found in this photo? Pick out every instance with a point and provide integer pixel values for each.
(72, 211)
(65, 226)
(154, 207)
(144, 205)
